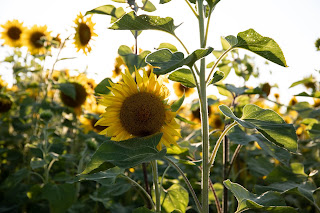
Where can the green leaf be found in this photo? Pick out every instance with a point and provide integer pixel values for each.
(268, 123)
(164, 1)
(67, 89)
(263, 46)
(169, 46)
(110, 174)
(142, 210)
(165, 61)
(184, 76)
(217, 76)
(232, 40)
(128, 153)
(269, 201)
(196, 55)
(148, 6)
(185, 120)
(304, 189)
(101, 88)
(177, 104)
(314, 132)
(303, 81)
(120, 1)
(132, 60)
(60, 196)
(36, 163)
(175, 198)
(212, 3)
(312, 95)
(236, 135)
(283, 174)
(110, 10)
(144, 22)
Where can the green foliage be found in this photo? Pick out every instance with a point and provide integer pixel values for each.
(101, 88)
(184, 76)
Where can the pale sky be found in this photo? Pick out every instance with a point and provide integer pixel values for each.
(293, 24)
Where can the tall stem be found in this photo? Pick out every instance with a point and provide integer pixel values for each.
(156, 185)
(225, 163)
(204, 117)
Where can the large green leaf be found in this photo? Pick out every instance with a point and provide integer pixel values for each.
(128, 153)
(294, 173)
(132, 60)
(111, 10)
(304, 189)
(165, 61)
(60, 196)
(184, 76)
(144, 22)
(268, 123)
(174, 198)
(101, 88)
(269, 201)
(263, 46)
(236, 135)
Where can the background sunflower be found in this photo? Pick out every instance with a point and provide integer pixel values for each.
(84, 32)
(34, 39)
(11, 33)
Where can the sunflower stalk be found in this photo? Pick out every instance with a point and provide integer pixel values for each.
(156, 185)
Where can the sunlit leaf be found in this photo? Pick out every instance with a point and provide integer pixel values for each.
(177, 104)
(126, 154)
(269, 201)
(165, 61)
(217, 76)
(185, 120)
(175, 198)
(132, 60)
(169, 46)
(111, 10)
(101, 88)
(263, 46)
(268, 123)
(144, 22)
(164, 1)
(148, 6)
(184, 76)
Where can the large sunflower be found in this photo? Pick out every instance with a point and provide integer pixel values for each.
(84, 32)
(138, 109)
(12, 33)
(34, 39)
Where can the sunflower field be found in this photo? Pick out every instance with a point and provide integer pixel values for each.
(151, 138)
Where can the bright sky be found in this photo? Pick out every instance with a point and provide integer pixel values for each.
(293, 24)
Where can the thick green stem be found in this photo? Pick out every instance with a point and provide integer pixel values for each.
(187, 182)
(156, 185)
(216, 147)
(204, 117)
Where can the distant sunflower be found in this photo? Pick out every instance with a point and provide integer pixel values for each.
(5, 103)
(33, 38)
(84, 32)
(80, 97)
(118, 64)
(138, 109)
(2, 83)
(12, 33)
(179, 89)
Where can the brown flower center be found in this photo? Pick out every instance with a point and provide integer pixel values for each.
(81, 96)
(142, 114)
(36, 39)
(84, 33)
(196, 113)
(14, 33)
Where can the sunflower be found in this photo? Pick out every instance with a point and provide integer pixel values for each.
(118, 64)
(34, 39)
(80, 97)
(5, 103)
(12, 33)
(2, 83)
(84, 32)
(138, 109)
(179, 89)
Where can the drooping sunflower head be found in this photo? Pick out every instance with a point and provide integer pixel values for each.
(179, 89)
(137, 109)
(35, 39)
(11, 33)
(84, 33)
(80, 96)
